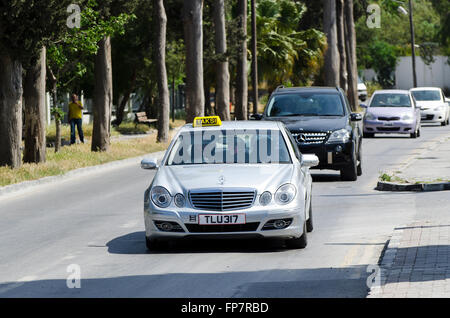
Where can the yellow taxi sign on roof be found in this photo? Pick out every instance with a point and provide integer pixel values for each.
(207, 121)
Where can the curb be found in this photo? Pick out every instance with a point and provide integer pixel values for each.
(419, 187)
(29, 185)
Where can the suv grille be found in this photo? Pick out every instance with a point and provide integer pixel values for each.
(310, 137)
(222, 200)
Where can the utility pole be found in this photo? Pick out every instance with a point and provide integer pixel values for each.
(254, 59)
(413, 44)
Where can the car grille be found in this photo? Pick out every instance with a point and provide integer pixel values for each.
(388, 118)
(388, 128)
(249, 227)
(310, 137)
(428, 117)
(222, 200)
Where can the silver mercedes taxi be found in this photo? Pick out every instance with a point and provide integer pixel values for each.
(234, 179)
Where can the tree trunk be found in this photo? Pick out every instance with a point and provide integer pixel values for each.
(35, 115)
(193, 35)
(222, 100)
(331, 61)
(207, 91)
(126, 97)
(10, 111)
(352, 67)
(53, 92)
(341, 45)
(160, 57)
(254, 60)
(102, 97)
(241, 72)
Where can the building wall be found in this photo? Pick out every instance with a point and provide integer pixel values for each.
(436, 74)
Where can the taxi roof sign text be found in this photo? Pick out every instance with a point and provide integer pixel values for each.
(207, 121)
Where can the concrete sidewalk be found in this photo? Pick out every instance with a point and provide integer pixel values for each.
(416, 263)
(427, 170)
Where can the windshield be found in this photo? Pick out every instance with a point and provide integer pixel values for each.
(391, 100)
(427, 95)
(251, 146)
(305, 104)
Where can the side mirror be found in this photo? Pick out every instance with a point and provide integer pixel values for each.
(363, 105)
(149, 164)
(355, 117)
(256, 116)
(309, 160)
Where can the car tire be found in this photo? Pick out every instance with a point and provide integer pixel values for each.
(350, 173)
(414, 134)
(300, 242)
(309, 222)
(444, 123)
(368, 135)
(153, 244)
(359, 167)
(418, 132)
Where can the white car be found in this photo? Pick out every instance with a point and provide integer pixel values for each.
(433, 105)
(218, 180)
(362, 90)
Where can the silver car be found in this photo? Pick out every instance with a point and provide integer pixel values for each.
(232, 179)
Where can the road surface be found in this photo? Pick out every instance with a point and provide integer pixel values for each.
(96, 222)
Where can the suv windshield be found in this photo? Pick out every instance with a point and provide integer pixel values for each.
(249, 146)
(305, 104)
(427, 95)
(391, 100)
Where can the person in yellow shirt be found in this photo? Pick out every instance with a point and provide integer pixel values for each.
(75, 118)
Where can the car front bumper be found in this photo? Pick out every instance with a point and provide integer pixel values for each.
(331, 156)
(431, 116)
(256, 218)
(389, 127)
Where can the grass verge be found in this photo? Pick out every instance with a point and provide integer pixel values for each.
(80, 155)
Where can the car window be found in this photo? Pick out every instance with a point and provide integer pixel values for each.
(427, 95)
(391, 100)
(229, 146)
(305, 104)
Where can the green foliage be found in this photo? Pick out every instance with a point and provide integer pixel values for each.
(382, 57)
(296, 55)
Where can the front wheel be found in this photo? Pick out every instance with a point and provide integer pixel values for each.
(350, 173)
(444, 123)
(300, 242)
(309, 223)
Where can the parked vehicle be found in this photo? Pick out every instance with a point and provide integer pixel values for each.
(362, 90)
(433, 105)
(322, 123)
(392, 111)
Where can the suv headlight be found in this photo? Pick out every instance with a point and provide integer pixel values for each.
(160, 196)
(339, 136)
(369, 116)
(285, 194)
(439, 109)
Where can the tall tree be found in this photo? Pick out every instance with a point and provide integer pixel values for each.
(222, 99)
(10, 110)
(103, 95)
(193, 37)
(352, 67)
(254, 59)
(35, 112)
(160, 20)
(241, 73)
(331, 63)
(341, 45)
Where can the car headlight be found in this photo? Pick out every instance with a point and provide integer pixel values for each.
(339, 136)
(369, 116)
(265, 198)
(406, 117)
(160, 196)
(439, 109)
(179, 200)
(285, 194)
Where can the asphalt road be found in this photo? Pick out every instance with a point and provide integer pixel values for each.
(96, 222)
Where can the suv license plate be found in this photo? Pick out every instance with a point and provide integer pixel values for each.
(223, 219)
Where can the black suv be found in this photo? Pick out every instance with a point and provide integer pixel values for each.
(322, 123)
